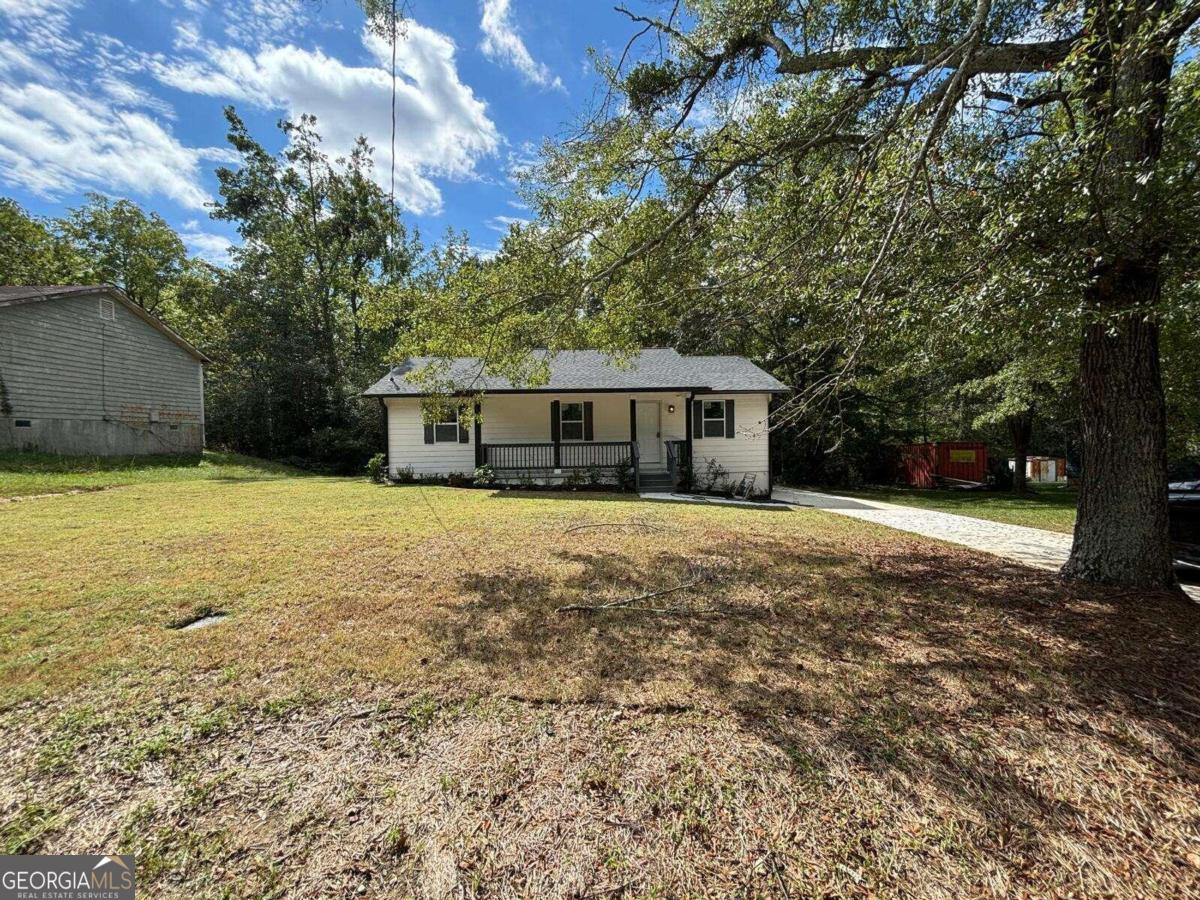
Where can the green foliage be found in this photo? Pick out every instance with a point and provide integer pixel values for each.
(377, 468)
(484, 475)
(716, 477)
(33, 252)
(138, 252)
(623, 474)
(290, 319)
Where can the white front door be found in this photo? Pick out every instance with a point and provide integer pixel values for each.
(649, 436)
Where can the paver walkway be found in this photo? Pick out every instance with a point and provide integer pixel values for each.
(1032, 546)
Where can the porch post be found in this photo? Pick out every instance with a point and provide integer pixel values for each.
(556, 433)
(688, 417)
(478, 438)
(633, 420)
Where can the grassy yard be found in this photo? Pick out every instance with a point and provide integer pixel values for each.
(1048, 506)
(24, 474)
(799, 704)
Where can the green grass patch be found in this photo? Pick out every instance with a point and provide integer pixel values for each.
(28, 473)
(1048, 506)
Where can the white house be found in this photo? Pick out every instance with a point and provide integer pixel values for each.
(654, 413)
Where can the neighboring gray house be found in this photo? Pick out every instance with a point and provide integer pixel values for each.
(85, 370)
(658, 413)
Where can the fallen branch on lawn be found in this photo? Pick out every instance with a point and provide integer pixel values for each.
(649, 525)
(700, 575)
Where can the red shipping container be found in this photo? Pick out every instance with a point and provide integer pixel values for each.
(925, 465)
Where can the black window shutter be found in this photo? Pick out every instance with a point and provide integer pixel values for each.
(697, 419)
(463, 437)
(729, 418)
(554, 424)
(429, 432)
(587, 421)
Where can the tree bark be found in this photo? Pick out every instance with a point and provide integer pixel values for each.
(1020, 427)
(1121, 528)
(1121, 532)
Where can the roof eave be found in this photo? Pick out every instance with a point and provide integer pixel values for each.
(681, 389)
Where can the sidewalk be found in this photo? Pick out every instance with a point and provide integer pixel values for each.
(1031, 546)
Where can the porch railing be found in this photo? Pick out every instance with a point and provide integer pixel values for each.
(570, 455)
(519, 456)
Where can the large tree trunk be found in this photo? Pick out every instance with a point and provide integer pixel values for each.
(1020, 427)
(1121, 529)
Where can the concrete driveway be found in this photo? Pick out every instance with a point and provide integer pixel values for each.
(1031, 546)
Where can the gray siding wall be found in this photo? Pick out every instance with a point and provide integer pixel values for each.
(93, 386)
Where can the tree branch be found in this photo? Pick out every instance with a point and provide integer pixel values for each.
(999, 59)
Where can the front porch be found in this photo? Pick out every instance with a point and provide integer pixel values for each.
(610, 437)
(661, 470)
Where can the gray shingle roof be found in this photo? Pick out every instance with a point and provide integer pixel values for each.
(591, 370)
(11, 295)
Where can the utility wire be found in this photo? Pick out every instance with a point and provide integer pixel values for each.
(392, 198)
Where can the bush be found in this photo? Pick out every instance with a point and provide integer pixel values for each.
(623, 473)
(484, 475)
(715, 477)
(377, 468)
(575, 480)
(404, 475)
(458, 479)
(595, 475)
(431, 479)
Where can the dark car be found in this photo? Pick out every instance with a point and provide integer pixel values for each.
(1183, 502)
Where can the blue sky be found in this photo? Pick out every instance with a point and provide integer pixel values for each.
(125, 97)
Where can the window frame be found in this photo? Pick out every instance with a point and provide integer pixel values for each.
(705, 418)
(448, 423)
(563, 422)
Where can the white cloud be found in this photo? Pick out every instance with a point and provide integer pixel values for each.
(77, 111)
(54, 142)
(503, 223)
(442, 128)
(212, 247)
(501, 42)
(258, 21)
(70, 119)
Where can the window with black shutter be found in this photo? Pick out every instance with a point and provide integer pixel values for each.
(571, 421)
(713, 417)
(445, 430)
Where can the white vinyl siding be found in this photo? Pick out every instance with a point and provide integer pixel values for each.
(407, 447)
(747, 452)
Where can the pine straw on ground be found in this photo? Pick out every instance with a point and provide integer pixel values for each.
(829, 708)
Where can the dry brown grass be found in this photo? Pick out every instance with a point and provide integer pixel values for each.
(395, 705)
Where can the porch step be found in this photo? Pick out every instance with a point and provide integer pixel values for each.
(656, 481)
